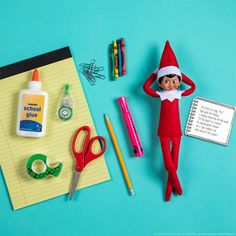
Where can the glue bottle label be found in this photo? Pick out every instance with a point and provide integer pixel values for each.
(32, 112)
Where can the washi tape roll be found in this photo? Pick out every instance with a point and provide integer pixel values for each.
(37, 167)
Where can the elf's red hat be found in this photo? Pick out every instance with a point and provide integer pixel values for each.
(168, 64)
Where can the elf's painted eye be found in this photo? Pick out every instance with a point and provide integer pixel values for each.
(166, 81)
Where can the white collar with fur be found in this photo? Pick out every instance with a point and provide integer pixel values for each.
(170, 95)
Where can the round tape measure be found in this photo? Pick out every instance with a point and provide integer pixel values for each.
(65, 113)
(37, 167)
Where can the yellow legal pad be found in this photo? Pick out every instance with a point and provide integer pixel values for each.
(55, 70)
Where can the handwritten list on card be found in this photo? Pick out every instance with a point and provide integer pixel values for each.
(210, 120)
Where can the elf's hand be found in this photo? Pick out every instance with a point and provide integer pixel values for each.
(147, 86)
(188, 81)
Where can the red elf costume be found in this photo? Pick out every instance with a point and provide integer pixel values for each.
(169, 129)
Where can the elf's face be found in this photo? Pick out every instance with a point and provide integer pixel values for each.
(169, 83)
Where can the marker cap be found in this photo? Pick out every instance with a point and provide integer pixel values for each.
(123, 104)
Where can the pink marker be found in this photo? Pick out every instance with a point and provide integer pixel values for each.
(133, 136)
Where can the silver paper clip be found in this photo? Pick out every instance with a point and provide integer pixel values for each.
(91, 71)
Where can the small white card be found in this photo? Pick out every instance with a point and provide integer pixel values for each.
(211, 121)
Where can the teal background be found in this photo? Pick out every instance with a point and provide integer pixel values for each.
(203, 36)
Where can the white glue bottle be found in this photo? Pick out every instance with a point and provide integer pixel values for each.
(32, 110)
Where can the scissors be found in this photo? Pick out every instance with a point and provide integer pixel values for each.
(86, 155)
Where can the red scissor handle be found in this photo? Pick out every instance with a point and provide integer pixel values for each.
(90, 155)
(87, 154)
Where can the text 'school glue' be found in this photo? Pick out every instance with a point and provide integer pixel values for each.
(32, 110)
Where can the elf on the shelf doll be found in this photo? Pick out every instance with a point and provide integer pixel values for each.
(169, 78)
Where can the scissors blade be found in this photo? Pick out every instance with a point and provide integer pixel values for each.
(74, 184)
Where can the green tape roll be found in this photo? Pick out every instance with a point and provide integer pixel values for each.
(45, 170)
(65, 113)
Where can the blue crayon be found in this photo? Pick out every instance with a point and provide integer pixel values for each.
(119, 57)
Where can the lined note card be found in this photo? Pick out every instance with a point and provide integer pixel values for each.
(55, 70)
(210, 120)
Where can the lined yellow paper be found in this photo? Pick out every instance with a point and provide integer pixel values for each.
(56, 145)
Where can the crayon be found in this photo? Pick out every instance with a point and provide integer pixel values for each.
(115, 52)
(119, 58)
(112, 61)
(122, 41)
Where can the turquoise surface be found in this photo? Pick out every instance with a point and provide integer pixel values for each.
(202, 34)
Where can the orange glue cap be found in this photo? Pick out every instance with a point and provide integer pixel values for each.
(35, 75)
